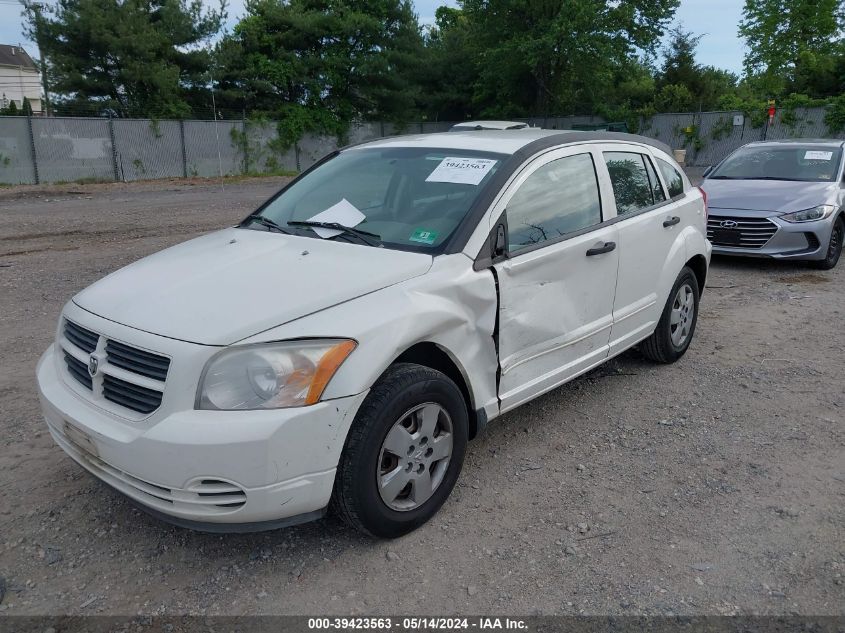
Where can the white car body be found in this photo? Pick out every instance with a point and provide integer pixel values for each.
(508, 330)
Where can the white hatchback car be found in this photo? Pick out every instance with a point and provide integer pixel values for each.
(341, 345)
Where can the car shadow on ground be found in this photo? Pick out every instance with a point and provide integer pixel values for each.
(725, 262)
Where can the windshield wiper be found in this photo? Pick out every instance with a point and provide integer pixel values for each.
(265, 221)
(364, 236)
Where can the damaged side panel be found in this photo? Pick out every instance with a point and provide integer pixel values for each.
(555, 316)
(452, 306)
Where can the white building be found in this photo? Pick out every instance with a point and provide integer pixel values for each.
(19, 79)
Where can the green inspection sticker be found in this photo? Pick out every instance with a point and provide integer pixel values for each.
(423, 237)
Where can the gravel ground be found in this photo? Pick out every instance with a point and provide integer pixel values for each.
(714, 486)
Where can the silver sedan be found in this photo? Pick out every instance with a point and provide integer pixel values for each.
(781, 199)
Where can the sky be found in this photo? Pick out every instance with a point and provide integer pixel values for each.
(716, 19)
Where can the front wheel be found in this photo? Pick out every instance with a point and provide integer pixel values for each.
(404, 452)
(673, 335)
(834, 246)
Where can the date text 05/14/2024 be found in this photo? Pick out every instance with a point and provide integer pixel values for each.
(417, 623)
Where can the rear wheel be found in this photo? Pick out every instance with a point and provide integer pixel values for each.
(674, 332)
(834, 246)
(404, 452)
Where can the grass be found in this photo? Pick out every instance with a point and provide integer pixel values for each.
(287, 173)
(90, 180)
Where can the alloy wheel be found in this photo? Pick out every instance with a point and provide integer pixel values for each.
(683, 310)
(414, 457)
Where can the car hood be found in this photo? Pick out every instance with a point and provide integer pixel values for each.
(777, 196)
(223, 287)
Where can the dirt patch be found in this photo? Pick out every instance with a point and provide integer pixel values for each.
(806, 278)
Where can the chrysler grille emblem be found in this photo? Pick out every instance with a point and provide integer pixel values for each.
(728, 224)
(93, 365)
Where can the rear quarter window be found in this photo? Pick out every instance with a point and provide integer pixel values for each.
(674, 180)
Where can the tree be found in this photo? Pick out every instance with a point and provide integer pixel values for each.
(715, 82)
(136, 57)
(317, 65)
(786, 37)
(556, 56)
(674, 98)
(449, 69)
(820, 74)
(682, 83)
(679, 65)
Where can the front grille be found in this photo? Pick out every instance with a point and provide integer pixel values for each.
(113, 380)
(78, 370)
(752, 233)
(84, 339)
(137, 360)
(130, 396)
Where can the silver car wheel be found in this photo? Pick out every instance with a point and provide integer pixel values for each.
(414, 457)
(683, 311)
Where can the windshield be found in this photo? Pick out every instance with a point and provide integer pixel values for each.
(770, 162)
(407, 198)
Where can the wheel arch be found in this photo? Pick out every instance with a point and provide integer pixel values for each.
(437, 357)
(698, 265)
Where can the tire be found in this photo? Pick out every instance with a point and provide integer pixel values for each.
(665, 345)
(834, 246)
(398, 412)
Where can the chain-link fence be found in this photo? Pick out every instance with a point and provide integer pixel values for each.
(710, 136)
(73, 149)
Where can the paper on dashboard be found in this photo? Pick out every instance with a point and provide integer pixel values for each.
(344, 212)
(817, 155)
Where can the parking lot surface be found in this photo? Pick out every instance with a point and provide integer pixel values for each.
(712, 486)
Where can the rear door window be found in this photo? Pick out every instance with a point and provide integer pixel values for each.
(632, 188)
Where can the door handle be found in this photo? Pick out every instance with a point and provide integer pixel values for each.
(604, 248)
(671, 221)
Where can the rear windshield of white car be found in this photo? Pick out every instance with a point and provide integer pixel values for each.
(410, 198)
(769, 162)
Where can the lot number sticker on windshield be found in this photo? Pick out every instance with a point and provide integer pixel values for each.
(816, 155)
(464, 171)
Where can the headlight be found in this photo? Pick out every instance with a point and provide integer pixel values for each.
(271, 375)
(809, 215)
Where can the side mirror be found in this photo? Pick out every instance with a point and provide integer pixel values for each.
(499, 244)
(707, 171)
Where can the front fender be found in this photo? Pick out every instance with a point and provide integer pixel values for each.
(452, 306)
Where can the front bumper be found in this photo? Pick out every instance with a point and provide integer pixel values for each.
(214, 470)
(790, 241)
